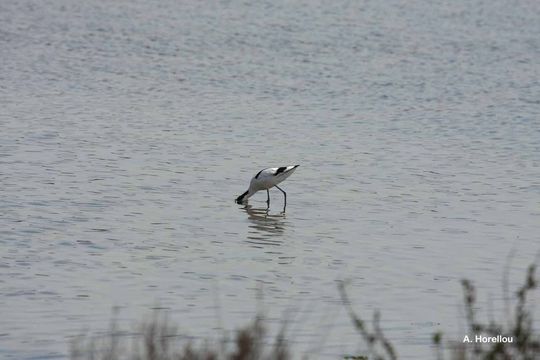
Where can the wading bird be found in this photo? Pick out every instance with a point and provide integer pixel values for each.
(266, 179)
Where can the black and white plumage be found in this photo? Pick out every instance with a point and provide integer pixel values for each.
(266, 179)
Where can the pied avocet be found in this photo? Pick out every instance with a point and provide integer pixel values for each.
(266, 179)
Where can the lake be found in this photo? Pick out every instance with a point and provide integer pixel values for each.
(128, 128)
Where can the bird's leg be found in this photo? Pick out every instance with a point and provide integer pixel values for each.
(285, 195)
(268, 199)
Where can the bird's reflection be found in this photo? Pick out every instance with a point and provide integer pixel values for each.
(265, 228)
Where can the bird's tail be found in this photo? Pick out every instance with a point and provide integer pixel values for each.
(240, 199)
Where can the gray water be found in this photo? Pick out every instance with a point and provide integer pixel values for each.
(129, 127)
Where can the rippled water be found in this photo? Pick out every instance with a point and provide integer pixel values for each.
(129, 127)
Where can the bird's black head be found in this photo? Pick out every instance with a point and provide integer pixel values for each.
(240, 199)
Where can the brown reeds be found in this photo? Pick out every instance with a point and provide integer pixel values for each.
(158, 340)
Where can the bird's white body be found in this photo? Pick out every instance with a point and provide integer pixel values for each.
(266, 179)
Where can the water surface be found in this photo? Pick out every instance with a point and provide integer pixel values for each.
(129, 127)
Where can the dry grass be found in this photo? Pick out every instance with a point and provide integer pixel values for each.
(157, 340)
(379, 347)
(525, 344)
